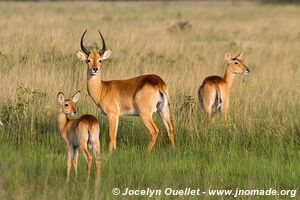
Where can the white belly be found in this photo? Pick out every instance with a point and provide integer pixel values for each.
(131, 112)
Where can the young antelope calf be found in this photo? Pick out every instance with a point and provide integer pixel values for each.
(78, 133)
(214, 92)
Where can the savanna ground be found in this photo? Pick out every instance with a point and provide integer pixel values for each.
(258, 148)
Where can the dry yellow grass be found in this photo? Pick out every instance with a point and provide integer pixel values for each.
(38, 45)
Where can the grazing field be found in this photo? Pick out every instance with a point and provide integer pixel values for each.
(257, 148)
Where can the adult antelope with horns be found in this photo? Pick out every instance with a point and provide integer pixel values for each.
(138, 96)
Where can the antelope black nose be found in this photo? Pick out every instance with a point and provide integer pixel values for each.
(74, 113)
(95, 69)
(248, 70)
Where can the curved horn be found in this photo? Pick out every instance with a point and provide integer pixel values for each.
(101, 52)
(87, 52)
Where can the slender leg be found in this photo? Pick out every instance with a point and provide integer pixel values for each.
(69, 157)
(75, 160)
(207, 110)
(113, 121)
(149, 123)
(224, 109)
(88, 158)
(206, 104)
(96, 149)
(165, 116)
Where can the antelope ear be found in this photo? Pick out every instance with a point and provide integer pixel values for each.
(76, 97)
(106, 55)
(228, 57)
(239, 56)
(81, 55)
(61, 98)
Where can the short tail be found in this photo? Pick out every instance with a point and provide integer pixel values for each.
(90, 140)
(218, 99)
(93, 134)
(89, 143)
(164, 92)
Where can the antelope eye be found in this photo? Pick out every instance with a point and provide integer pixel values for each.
(236, 63)
(66, 105)
(88, 60)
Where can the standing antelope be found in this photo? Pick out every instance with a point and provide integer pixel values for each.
(214, 92)
(79, 133)
(142, 95)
